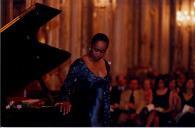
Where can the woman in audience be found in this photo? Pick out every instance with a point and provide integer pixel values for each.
(188, 104)
(161, 103)
(174, 104)
(147, 90)
(147, 100)
(174, 99)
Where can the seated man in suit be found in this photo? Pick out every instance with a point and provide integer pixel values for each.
(131, 104)
(115, 94)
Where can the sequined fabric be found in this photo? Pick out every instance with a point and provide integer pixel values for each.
(89, 95)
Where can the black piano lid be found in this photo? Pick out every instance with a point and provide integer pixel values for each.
(31, 19)
(24, 59)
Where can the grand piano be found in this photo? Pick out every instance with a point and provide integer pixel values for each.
(25, 59)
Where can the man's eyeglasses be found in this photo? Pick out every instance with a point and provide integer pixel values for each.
(99, 50)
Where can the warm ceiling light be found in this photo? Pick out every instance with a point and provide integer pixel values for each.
(101, 3)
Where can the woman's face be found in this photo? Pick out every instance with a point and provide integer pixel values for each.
(133, 84)
(98, 50)
(147, 84)
(161, 84)
(190, 84)
(172, 85)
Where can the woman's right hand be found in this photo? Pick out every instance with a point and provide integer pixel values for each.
(64, 107)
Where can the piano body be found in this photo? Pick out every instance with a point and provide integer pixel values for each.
(25, 59)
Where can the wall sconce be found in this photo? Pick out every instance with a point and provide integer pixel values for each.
(102, 3)
(186, 18)
(194, 4)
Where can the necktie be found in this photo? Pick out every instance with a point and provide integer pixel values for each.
(132, 100)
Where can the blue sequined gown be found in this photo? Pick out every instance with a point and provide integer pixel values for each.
(89, 95)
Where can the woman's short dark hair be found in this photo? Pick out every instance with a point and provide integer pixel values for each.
(100, 37)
